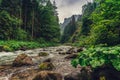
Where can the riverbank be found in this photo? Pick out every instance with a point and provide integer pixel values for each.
(13, 45)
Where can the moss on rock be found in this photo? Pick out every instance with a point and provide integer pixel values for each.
(46, 66)
(43, 54)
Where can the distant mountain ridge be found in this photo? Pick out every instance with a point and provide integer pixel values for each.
(67, 21)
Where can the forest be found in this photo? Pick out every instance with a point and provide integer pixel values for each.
(99, 24)
(98, 30)
(28, 21)
(35, 46)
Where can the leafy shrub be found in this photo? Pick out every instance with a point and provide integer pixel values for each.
(16, 45)
(99, 56)
(7, 48)
(7, 25)
(20, 34)
(41, 40)
(105, 32)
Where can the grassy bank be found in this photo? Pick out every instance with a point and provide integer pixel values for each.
(17, 45)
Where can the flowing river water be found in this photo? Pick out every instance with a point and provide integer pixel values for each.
(62, 66)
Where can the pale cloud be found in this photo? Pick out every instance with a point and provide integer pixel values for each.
(67, 8)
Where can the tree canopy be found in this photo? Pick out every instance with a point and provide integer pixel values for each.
(28, 20)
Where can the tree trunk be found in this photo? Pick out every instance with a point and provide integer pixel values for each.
(33, 15)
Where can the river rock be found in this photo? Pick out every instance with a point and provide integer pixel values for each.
(58, 50)
(83, 74)
(73, 76)
(46, 66)
(23, 48)
(71, 50)
(71, 56)
(22, 60)
(25, 74)
(48, 75)
(80, 49)
(43, 54)
(47, 60)
(106, 72)
(62, 52)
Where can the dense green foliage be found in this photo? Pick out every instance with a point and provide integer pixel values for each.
(16, 45)
(106, 23)
(99, 56)
(100, 23)
(29, 20)
(7, 26)
(86, 21)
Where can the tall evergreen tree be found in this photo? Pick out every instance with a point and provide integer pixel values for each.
(35, 18)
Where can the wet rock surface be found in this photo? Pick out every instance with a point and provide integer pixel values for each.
(106, 72)
(71, 56)
(21, 60)
(62, 66)
(46, 66)
(48, 75)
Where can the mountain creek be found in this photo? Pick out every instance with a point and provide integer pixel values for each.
(59, 56)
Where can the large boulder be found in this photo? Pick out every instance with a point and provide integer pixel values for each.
(106, 72)
(83, 74)
(46, 66)
(48, 75)
(22, 60)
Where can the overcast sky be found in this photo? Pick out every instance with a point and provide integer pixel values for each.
(67, 8)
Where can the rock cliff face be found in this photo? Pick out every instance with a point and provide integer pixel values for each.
(67, 21)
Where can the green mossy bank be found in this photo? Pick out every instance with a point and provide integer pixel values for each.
(23, 45)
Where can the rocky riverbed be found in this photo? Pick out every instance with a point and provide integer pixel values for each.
(60, 57)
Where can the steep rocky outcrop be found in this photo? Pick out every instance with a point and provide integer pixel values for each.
(67, 21)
